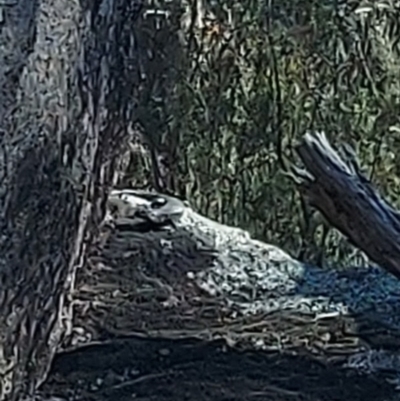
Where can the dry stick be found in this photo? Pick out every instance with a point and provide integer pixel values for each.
(348, 201)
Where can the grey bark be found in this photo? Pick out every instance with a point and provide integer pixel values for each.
(335, 186)
(67, 71)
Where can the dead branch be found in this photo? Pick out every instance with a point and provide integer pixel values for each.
(339, 190)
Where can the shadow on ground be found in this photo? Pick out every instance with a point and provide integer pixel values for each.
(174, 370)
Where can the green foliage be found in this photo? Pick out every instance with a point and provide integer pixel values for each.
(251, 82)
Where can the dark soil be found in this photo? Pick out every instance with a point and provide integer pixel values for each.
(177, 370)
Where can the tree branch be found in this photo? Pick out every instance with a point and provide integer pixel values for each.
(339, 190)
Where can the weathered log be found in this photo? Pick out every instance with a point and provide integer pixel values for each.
(169, 271)
(67, 73)
(336, 187)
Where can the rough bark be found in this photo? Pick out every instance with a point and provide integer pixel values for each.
(67, 71)
(338, 189)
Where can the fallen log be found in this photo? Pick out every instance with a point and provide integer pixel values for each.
(336, 187)
(192, 276)
(182, 275)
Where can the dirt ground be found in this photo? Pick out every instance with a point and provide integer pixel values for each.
(178, 370)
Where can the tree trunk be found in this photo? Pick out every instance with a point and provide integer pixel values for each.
(67, 70)
(336, 187)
